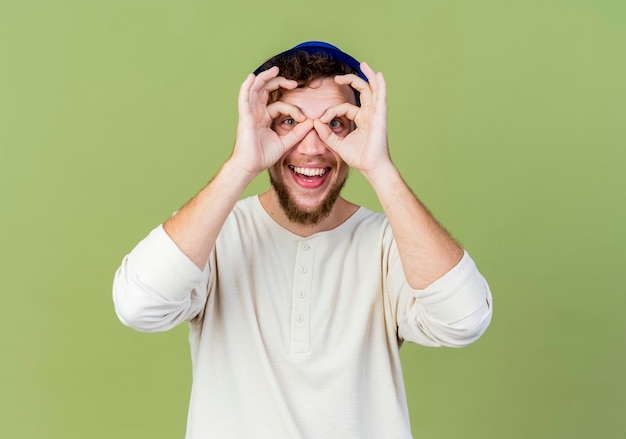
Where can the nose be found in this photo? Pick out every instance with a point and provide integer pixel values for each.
(311, 145)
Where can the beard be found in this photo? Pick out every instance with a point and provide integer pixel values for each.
(295, 213)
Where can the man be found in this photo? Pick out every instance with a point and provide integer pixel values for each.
(298, 300)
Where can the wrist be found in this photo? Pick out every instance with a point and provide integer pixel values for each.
(381, 174)
(238, 172)
(240, 165)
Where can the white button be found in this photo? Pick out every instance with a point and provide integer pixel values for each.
(301, 294)
(305, 246)
(303, 269)
(300, 318)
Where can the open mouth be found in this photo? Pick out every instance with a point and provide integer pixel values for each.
(310, 178)
(309, 172)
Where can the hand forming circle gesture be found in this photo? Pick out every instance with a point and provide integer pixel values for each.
(366, 147)
(257, 145)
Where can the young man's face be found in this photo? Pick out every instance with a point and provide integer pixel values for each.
(309, 177)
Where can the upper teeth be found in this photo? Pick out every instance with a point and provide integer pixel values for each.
(310, 172)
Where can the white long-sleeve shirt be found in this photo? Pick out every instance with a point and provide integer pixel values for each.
(297, 337)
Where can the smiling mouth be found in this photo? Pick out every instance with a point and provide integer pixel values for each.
(309, 172)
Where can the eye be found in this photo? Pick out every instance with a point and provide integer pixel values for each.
(334, 124)
(289, 122)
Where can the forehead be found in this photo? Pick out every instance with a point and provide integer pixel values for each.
(320, 95)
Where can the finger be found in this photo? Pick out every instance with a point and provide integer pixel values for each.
(269, 80)
(279, 82)
(351, 79)
(346, 109)
(280, 108)
(377, 81)
(381, 91)
(326, 135)
(297, 133)
(244, 91)
(267, 74)
(357, 83)
(369, 73)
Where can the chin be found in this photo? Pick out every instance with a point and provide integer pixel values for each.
(297, 213)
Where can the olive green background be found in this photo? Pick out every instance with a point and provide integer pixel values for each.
(508, 119)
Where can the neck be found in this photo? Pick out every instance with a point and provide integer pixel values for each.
(341, 211)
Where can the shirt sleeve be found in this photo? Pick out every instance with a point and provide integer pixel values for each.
(453, 311)
(157, 286)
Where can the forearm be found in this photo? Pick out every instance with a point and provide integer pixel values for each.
(426, 249)
(196, 225)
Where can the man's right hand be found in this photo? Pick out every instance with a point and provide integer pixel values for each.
(257, 146)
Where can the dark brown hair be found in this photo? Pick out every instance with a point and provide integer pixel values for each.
(304, 68)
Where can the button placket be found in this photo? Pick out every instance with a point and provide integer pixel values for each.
(300, 304)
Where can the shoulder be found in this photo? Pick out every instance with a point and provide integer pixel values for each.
(246, 210)
(248, 218)
(365, 226)
(366, 218)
